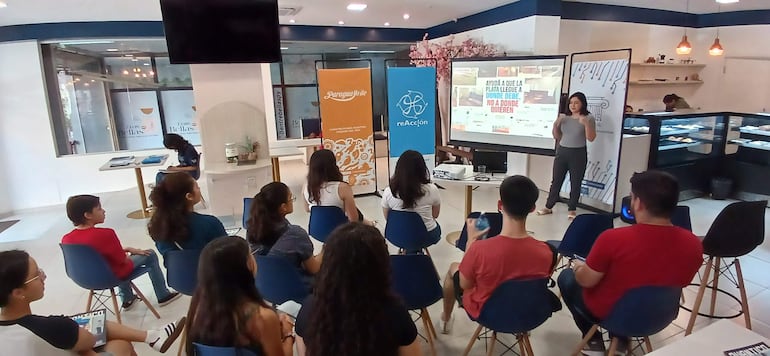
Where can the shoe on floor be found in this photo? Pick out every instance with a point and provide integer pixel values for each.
(544, 211)
(165, 337)
(571, 215)
(445, 326)
(127, 304)
(595, 347)
(168, 299)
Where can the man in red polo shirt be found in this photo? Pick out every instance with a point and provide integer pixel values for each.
(653, 252)
(488, 263)
(85, 211)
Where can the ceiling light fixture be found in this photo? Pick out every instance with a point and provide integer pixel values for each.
(727, 1)
(406, 16)
(352, 48)
(684, 46)
(284, 48)
(387, 24)
(716, 48)
(341, 22)
(356, 7)
(292, 21)
(112, 49)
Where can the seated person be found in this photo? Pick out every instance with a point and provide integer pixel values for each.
(653, 252)
(411, 190)
(174, 225)
(85, 211)
(354, 310)
(227, 309)
(189, 159)
(673, 102)
(488, 263)
(325, 186)
(270, 234)
(23, 282)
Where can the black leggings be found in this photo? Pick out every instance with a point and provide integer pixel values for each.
(572, 160)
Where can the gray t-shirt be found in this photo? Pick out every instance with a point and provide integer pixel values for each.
(573, 133)
(294, 245)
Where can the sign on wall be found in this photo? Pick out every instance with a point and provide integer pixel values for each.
(138, 120)
(412, 113)
(179, 111)
(346, 121)
(603, 78)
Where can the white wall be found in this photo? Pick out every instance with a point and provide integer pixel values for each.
(32, 176)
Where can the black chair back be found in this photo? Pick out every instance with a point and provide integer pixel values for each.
(738, 229)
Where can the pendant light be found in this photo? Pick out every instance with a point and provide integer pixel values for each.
(716, 48)
(684, 46)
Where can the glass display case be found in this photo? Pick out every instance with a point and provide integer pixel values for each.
(747, 155)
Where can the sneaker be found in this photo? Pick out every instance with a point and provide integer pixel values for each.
(595, 347)
(445, 326)
(544, 211)
(127, 304)
(166, 336)
(168, 299)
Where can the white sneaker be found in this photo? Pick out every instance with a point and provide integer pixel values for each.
(165, 337)
(445, 326)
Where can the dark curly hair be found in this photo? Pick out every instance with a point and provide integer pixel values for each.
(354, 283)
(265, 218)
(169, 221)
(321, 169)
(410, 174)
(14, 266)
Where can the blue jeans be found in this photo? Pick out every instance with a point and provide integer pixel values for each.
(156, 277)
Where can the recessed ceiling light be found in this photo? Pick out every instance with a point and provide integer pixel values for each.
(356, 7)
(112, 49)
(387, 24)
(341, 22)
(352, 48)
(292, 21)
(3, 4)
(284, 48)
(406, 16)
(147, 64)
(727, 1)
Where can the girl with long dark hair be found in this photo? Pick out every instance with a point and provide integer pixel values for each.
(325, 186)
(22, 282)
(411, 190)
(270, 234)
(174, 225)
(189, 159)
(353, 310)
(571, 130)
(227, 310)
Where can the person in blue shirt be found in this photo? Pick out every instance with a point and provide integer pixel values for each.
(189, 159)
(174, 225)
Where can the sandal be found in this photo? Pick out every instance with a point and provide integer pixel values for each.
(544, 211)
(571, 215)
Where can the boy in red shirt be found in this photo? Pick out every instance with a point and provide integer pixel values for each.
(489, 262)
(653, 252)
(85, 211)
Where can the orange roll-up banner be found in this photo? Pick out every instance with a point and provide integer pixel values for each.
(346, 123)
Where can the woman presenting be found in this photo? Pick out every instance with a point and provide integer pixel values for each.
(571, 130)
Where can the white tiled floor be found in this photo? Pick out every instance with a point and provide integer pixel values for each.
(40, 231)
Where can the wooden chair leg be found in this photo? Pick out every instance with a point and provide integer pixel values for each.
(146, 302)
(699, 297)
(528, 345)
(742, 288)
(427, 252)
(472, 341)
(715, 285)
(584, 342)
(115, 305)
(430, 324)
(648, 344)
(182, 343)
(493, 341)
(520, 341)
(428, 334)
(613, 346)
(90, 300)
(683, 301)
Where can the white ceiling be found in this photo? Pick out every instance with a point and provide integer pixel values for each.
(424, 13)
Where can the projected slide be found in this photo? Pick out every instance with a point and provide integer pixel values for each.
(511, 102)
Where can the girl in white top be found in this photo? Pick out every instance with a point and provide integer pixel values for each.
(325, 187)
(411, 190)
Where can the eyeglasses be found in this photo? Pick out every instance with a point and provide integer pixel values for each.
(40, 274)
(293, 198)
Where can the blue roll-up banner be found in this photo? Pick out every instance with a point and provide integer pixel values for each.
(412, 113)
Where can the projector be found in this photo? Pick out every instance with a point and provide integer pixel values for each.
(450, 171)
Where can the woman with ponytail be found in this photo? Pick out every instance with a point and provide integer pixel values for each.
(174, 225)
(270, 234)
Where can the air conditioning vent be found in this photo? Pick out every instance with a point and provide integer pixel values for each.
(289, 11)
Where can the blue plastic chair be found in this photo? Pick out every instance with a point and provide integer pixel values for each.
(323, 220)
(88, 269)
(416, 281)
(515, 307)
(495, 226)
(278, 281)
(407, 231)
(182, 270)
(581, 235)
(205, 350)
(246, 212)
(640, 313)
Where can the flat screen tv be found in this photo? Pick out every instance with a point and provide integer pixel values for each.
(221, 31)
(506, 104)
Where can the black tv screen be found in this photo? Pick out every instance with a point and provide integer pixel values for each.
(221, 31)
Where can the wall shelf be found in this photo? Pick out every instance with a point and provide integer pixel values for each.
(668, 82)
(676, 65)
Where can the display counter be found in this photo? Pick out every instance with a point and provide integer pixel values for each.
(698, 146)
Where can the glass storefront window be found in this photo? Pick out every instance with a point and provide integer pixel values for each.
(179, 114)
(137, 118)
(130, 70)
(299, 69)
(172, 75)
